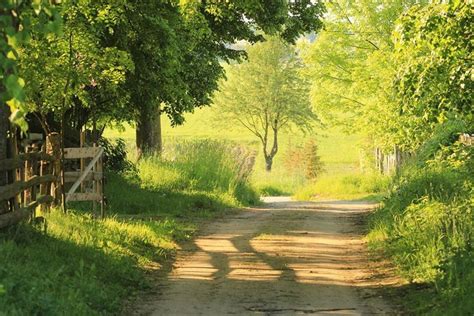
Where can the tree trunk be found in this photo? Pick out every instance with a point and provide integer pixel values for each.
(4, 148)
(269, 156)
(149, 131)
(268, 163)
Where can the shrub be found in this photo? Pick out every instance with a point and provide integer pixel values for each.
(304, 160)
(115, 155)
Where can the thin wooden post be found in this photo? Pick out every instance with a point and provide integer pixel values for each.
(53, 148)
(100, 185)
(14, 202)
(82, 143)
(29, 173)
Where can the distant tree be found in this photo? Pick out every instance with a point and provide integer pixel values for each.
(266, 94)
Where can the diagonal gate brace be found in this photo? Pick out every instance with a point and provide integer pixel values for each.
(84, 174)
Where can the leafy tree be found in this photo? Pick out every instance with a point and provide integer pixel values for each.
(15, 29)
(352, 67)
(74, 76)
(177, 47)
(266, 94)
(434, 82)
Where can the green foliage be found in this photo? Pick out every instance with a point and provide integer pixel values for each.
(338, 151)
(192, 37)
(115, 155)
(426, 224)
(444, 135)
(16, 27)
(266, 95)
(352, 68)
(75, 70)
(190, 177)
(433, 49)
(82, 265)
(397, 70)
(207, 166)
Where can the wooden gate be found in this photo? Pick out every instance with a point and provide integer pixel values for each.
(86, 182)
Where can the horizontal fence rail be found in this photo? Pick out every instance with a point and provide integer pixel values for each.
(37, 178)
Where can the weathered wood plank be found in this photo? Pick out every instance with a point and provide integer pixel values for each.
(83, 197)
(72, 176)
(467, 139)
(86, 171)
(21, 214)
(17, 162)
(11, 190)
(79, 153)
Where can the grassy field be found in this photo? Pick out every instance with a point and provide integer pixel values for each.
(339, 152)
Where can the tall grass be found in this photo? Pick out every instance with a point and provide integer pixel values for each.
(201, 166)
(189, 178)
(426, 225)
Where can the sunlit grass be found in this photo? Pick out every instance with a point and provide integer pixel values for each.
(349, 186)
(339, 152)
(81, 265)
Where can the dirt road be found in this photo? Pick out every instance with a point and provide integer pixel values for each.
(285, 258)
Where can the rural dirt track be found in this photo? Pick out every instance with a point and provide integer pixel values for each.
(284, 258)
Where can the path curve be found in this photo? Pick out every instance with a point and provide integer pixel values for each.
(284, 258)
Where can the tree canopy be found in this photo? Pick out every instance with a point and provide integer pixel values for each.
(434, 81)
(130, 60)
(392, 72)
(352, 67)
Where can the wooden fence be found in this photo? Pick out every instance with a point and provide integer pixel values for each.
(33, 181)
(39, 178)
(389, 163)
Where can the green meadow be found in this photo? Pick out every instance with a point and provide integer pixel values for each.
(339, 151)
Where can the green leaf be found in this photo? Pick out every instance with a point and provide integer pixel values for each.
(14, 105)
(14, 85)
(18, 118)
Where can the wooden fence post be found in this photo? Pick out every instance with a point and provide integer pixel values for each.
(28, 175)
(53, 148)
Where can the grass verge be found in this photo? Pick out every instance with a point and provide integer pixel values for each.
(81, 266)
(426, 227)
(84, 266)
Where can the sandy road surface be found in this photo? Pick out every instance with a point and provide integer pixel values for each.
(284, 258)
